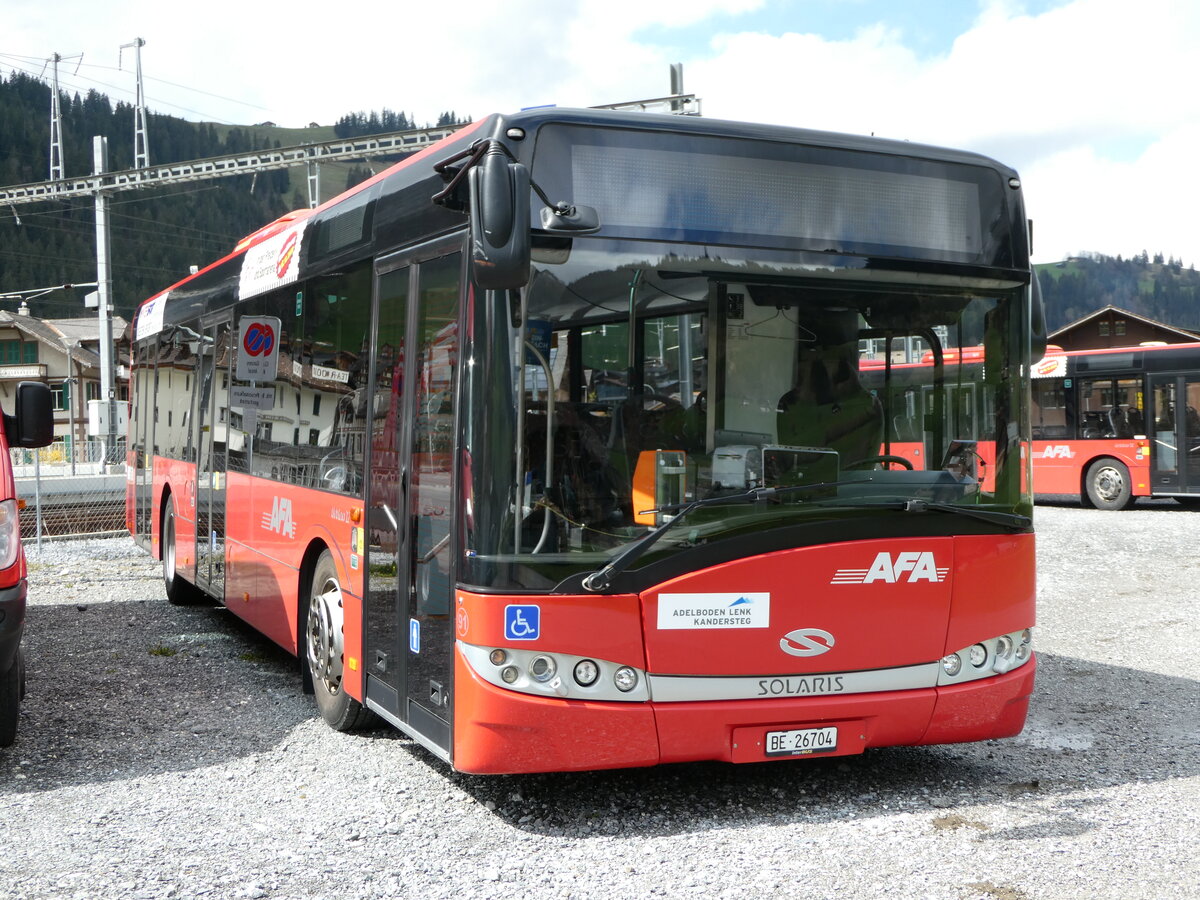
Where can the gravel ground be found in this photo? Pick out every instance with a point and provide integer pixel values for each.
(167, 752)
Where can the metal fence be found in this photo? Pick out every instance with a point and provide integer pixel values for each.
(70, 488)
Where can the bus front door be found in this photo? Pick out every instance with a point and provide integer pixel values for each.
(1175, 433)
(407, 622)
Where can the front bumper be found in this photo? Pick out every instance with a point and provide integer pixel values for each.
(12, 621)
(503, 732)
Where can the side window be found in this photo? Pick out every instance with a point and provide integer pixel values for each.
(1049, 413)
(336, 316)
(269, 430)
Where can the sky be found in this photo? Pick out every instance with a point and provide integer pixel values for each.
(1094, 102)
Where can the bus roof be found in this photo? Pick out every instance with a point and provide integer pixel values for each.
(408, 172)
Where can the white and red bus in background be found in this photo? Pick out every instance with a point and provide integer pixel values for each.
(1116, 424)
(552, 444)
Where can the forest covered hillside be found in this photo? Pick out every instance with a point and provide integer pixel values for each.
(1162, 289)
(158, 234)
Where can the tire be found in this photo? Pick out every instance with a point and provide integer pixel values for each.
(179, 592)
(1108, 485)
(324, 650)
(12, 692)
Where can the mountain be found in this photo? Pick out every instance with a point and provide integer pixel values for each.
(1158, 289)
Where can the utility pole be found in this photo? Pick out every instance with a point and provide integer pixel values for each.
(676, 85)
(314, 184)
(56, 161)
(104, 293)
(141, 148)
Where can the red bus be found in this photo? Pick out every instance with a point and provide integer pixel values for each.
(552, 447)
(30, 425)
(1116, 424)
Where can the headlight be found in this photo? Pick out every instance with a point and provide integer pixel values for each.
(625, 678)
(995, 656)
(10, 534)
(542, 668)
(553, 674)
(586, 673)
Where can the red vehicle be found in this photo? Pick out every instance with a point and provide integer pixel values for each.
(552, 447)
(30, 425)
(1116, 424)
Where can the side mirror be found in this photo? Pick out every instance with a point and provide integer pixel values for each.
(500, 252)
(1037, 321)
(32, 425)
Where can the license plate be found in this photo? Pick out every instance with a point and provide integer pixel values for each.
(802, 741)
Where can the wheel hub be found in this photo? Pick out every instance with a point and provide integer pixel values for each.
(325, 640)
(1109, 484)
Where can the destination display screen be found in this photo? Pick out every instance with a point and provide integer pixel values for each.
(705, 189)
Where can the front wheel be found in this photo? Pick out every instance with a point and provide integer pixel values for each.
(1108, 485)
(325, 649)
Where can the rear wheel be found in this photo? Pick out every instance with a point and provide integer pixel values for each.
(1108, 485)
(12, 691)
(325, 650)
(179, 592)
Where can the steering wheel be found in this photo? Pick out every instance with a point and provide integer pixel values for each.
(652, 401)
(886, 460)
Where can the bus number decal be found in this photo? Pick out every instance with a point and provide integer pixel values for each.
(917, 565)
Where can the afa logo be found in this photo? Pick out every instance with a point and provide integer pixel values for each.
(907, 567)
(286, 254)
(279, 519)
(1055, 451)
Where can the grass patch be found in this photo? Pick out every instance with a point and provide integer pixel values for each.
(162, 650)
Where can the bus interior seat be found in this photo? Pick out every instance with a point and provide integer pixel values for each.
(1117, 424)
(836, 412)
(1136, 422)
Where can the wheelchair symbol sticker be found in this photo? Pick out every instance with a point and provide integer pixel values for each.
(522, 623)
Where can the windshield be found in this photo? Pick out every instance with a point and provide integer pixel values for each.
(633, 379)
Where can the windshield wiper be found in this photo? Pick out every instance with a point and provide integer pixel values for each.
(918, 505)
(603, 577)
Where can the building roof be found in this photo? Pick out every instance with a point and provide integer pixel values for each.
(1153, 323)
(70, 334)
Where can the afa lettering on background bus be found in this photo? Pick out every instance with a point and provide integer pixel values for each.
(649, 439)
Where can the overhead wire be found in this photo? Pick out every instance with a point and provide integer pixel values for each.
(65, 83)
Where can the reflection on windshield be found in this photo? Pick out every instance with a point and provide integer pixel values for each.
(636, 384)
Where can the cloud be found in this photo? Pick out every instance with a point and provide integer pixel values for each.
(1081, 201)
(1063, 96)
(1090, 99)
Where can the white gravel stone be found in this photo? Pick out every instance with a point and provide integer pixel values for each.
(206, 773)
